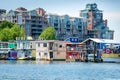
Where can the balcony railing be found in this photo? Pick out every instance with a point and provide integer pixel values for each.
(37, 28)
(73, 49)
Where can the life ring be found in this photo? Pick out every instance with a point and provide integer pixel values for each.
(107, 50)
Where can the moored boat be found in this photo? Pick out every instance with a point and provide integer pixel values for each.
(11, 58)
(22, 58)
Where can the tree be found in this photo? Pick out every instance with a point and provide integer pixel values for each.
(48, 34)
(17, 31)
(5, 24)
(5, 34)
(9, 31)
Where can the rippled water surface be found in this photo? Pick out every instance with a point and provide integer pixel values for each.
(44, 70)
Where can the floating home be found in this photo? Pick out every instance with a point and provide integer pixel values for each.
(25, 48)
(50, 50)
(5, 47)
(102, 48)
(75, 52)
(59, 50)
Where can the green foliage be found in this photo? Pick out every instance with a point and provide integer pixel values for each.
(5, 24)
(48, 34)
(5, 34)
(9, 31)
(17, 31)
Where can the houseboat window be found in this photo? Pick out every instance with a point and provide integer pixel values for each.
(74, 54)
(39, 53)
(38, 44)
(45, 54)
(0, 45)
(44, 44)
(23, 45)
(60, 46)
(30, 46)
(51, 54)
(55, 45)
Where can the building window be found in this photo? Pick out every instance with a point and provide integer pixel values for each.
(23, 45)
(55, 45)
(38, 44)
(79, 26)
(45, 54)
(31, 45)
(60, 46)
(39, 53)
(44, 44)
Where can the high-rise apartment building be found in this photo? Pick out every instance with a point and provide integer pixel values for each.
(66, 26)
(2, 14)
(96, 26)
(90, 24)
(33, 21)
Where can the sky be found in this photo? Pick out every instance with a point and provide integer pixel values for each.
(110, 8)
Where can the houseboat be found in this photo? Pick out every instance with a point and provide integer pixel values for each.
(12, 54)
(5, 47)
(59, 51)
(102, 48)
(25, 49)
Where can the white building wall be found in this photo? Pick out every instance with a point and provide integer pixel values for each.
(41, 51)
(38, 57)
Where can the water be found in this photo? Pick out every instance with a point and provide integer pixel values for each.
(44, 70)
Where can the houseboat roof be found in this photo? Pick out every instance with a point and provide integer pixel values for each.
(45, 41)
(102, 40)
(56, 41)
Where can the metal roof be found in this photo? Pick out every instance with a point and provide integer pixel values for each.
(102, 40)
(97, 40)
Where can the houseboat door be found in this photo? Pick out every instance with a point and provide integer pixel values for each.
(51, 55)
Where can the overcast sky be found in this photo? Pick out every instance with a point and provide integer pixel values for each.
(111, 9)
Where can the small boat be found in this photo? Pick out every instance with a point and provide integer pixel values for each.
(22, 58)
(11, 58)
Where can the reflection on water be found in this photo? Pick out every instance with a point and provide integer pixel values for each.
(45, 70)
(29, 62)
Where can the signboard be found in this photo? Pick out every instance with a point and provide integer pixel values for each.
(73, 39)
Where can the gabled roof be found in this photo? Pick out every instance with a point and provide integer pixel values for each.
(97, 40)
(102, 40)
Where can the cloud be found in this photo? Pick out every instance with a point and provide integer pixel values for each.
(111, 15)
(113, 23)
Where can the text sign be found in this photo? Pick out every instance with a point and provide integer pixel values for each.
(75, 40)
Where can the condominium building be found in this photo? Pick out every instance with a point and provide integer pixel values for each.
(96, 25)
(33, 21)
(2, 14)
(90, 24)
(66, 26)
